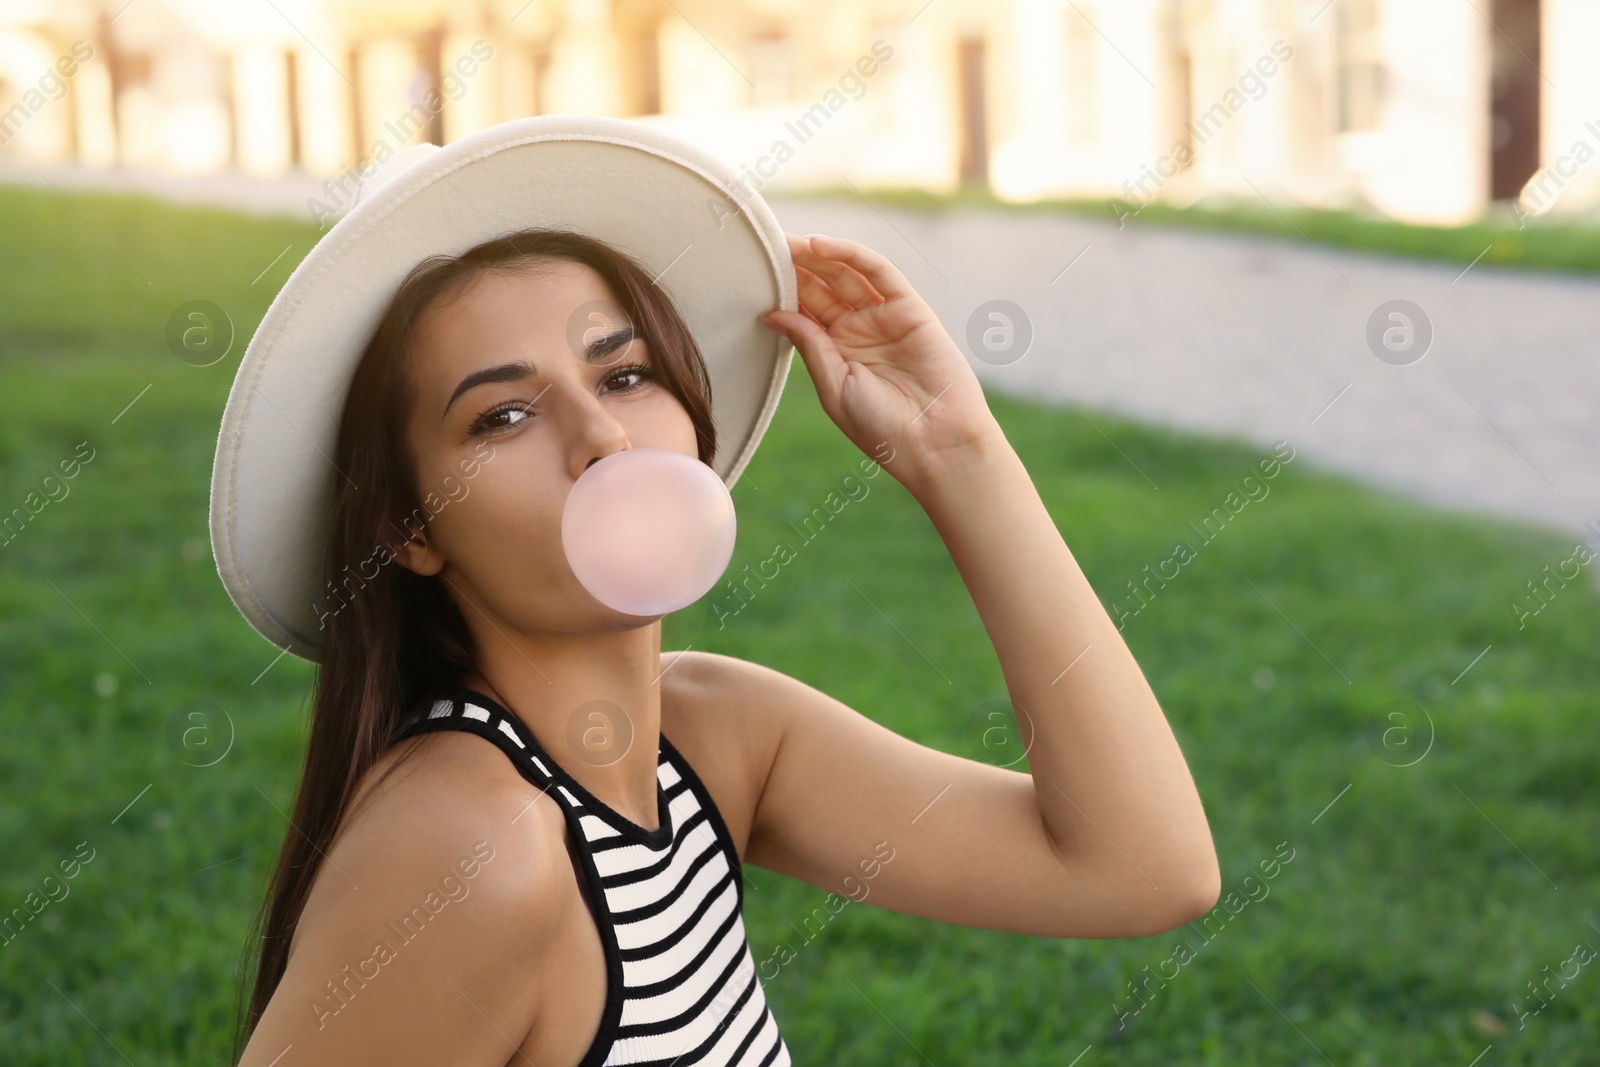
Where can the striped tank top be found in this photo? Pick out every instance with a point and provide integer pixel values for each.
(681, 983)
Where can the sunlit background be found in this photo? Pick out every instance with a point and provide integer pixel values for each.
(1426, 110)
(1355, 243)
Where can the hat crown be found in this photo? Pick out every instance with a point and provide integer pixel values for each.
(636, 188)
(386, 170)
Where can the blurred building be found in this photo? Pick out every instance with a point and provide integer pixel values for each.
(1428, 110)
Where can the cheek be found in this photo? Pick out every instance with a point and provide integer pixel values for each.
(516, 508)
(666, 424)
(504, 523)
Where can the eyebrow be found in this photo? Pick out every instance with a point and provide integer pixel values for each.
(596, 351)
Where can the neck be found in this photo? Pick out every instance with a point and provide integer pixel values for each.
(593, 701)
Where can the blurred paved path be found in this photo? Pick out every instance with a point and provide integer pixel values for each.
(1231, 334)
(1267, 339)
(238, 192)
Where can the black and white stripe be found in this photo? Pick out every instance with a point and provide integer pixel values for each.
(682, 988)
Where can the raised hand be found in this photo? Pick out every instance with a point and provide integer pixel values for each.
(886, 371)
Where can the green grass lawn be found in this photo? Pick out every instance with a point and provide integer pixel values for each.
(1495, 239)
(1404, 930)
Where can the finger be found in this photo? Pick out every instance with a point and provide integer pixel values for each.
(818, 299)
(883, 275)
(816, 349)
(849, 283)
(797, 245)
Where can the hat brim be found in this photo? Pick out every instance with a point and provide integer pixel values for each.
(711, 243)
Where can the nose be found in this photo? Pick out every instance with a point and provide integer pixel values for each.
(592, 432)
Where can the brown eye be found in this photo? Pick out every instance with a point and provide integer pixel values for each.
(639, 370)
(484, 422)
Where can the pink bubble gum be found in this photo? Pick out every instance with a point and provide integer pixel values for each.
(648, 531)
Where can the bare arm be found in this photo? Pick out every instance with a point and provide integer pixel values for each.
(416, 946)
(1108, 837)
(1111, 783)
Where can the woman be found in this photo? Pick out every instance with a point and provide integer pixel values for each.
(1106, 838)
(520, 829)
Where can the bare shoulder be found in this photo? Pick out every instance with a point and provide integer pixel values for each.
(714, 711)
(424, 916)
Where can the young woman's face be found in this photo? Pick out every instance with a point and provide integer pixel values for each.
(532, 376)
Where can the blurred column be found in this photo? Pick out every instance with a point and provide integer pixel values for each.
(325, 101)
(473, 83)
(106, 45)
(1425, 157)
(231, 104)
(394, 83)
(1514, 96)
(261, 94)
(973, 165)
(69, 109)
(1035, 108)
(355, 70)
(1309, 131)
(430, 62)
(917, 91)
(516, 65)
(1569, 178)
(291, 106)
(95, 114)
(583, 73)
(639, 86)
(1177, 83)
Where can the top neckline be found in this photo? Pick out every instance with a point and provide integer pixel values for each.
(653, 839)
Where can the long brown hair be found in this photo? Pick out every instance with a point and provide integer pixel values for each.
(399, 637)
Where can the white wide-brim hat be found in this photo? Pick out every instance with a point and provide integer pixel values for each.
(711, 242)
